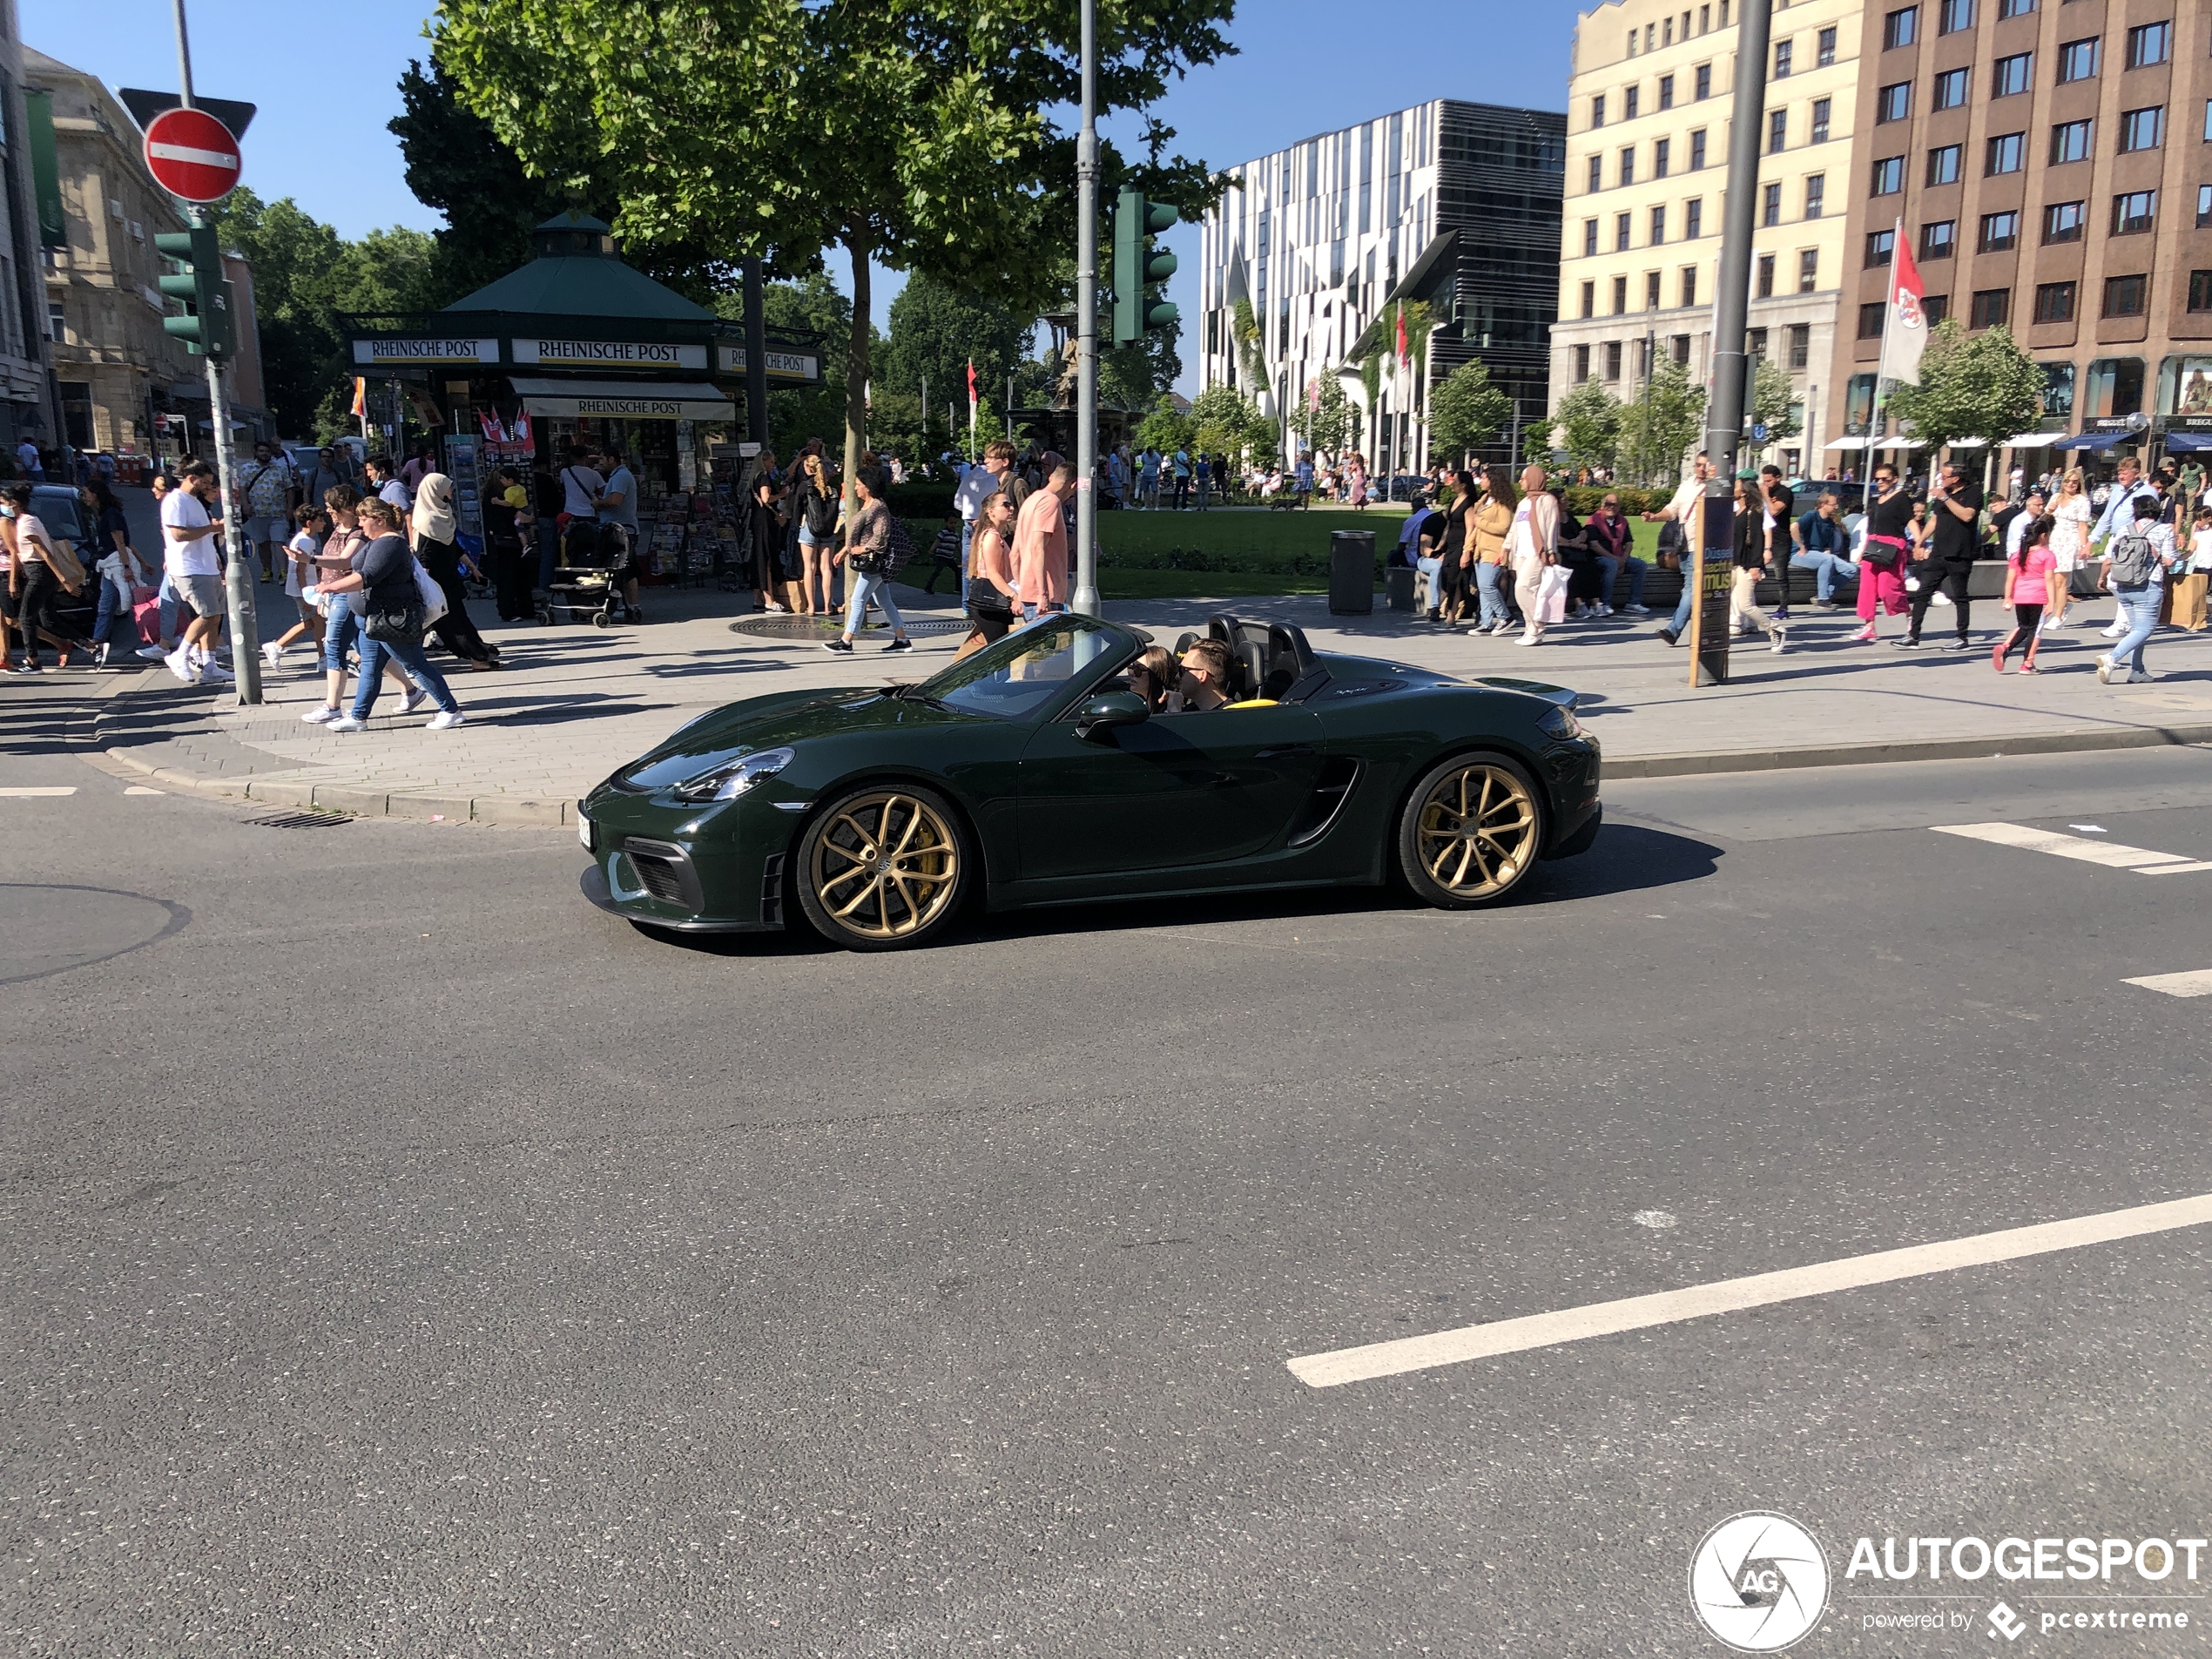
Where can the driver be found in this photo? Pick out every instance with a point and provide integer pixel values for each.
(1206, 675)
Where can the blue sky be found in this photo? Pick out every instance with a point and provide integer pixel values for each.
(325, 77)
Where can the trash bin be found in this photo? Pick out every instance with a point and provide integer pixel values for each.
(1398, 582)
(1352, 573)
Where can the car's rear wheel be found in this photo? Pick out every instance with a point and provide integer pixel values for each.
(884, 866)
(1470, 829)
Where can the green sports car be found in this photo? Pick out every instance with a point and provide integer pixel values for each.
(1030, 773)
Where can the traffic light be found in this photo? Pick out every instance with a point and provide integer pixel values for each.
(1136, 266)
(200, 251)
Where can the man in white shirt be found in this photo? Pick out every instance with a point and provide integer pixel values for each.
(580, 488)
(194, 557)
(979, 484)
(28, 459)
(1683, 511)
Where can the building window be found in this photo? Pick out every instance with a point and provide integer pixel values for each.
(1623, 227)
(1827, 53)
(2062, 222)
(2149, 43)
(1954, 16)
(1658, 225)
(1651, 291)
(1949, 90)
(1888, 176)
(2055, 301)
(1597, 174)
(1938, 240)
(2135, 212)
(2116, 387)
(2200, 291)
(1869, 319)
(1808, 269)
(1766, 276)
(1820, 111)
(2203, 206)
(1894, 102)
(2124, 295)
(1770, 206)
(2078, 60)
(1693, 218)
(1661, 157)
(1936, 307)
(1697, 150)
(1778, 131)
(1628, 96)
(1816, 194)
(1900, 28)
(1991, 307)
(2143, 129)
(2000, 232)
(1784, 51)
(1597, 111)
(2007, 153)
(1689, 285)
(1589, 239)
(1581, 364)
(1703, 80)
(1800, 345)
(2070, 141)
(1589, 299)
(2208, 121)
(1628, 166)
(1755, 342)
(1943, 163)
(2014, 9)
(57, 322)
(1678, 348)
(1612, 360)
(1881, 245)
(1620, 295)
(2012, 74)
(1666, 91)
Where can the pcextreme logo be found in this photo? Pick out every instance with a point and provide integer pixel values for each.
(1759, 1582)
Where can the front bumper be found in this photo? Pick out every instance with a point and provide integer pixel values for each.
(689, 869)
(1575, 769)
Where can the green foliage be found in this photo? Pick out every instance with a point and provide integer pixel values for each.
(1582, 500)
(935, 330)
(1588, 420)
(1465, 412)
(1225, 421)
(1771, 398)
(1163, 429)
(1972, 386)
(1661, 424)
(1244, 329)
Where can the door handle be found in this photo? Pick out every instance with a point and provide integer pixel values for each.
(1278, 754)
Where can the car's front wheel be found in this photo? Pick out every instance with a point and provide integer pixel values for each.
(1470, 829)
(884, 866)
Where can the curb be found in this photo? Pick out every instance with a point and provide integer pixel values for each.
(358, 800)
(1882, 754)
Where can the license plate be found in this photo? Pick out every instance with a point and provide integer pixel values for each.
(583, 831)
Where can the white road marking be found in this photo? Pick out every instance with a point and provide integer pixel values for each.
(140, 789)
(1728, 1296)
(52, 789)
(2109, 853)
(2196, 984)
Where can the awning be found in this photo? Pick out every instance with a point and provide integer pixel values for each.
(629, 400)
(1969, 443)
(2034, 440)
(1846, 443)
(2086, 441)
(2186, 443)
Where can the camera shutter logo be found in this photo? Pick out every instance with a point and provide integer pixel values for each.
(1759, 1582)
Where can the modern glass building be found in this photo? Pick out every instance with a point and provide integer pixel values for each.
(1304, 264)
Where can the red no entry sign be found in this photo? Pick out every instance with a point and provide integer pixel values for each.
(191, 155)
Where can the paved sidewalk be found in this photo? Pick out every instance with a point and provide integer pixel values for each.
(578, 702)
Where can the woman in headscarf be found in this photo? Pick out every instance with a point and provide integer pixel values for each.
(433, 528)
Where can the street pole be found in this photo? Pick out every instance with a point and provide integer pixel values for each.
(1724, 429)
(1086, 599)
(237, 580)
(756, 356)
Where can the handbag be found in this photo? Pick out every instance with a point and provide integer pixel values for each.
(145, 611)
(1881, 552)
(396, 625)
(1551, 594)
(433, 597)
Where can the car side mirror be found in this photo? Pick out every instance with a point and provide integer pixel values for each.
(1109, 710)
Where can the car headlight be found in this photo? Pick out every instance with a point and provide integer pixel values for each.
(1560, 723)
(730, 781)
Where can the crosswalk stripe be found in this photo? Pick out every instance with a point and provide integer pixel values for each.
(140, 789)
(2198, 983)
(2111, 855)
(23, 792)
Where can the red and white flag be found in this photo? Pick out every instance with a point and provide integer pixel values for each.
(971, 384)
(1907, 335)
(1405, 354)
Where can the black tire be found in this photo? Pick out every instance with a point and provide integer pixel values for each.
(1469, 832)
(602, 620)
(884, 866)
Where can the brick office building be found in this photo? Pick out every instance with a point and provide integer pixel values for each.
(2052, 162)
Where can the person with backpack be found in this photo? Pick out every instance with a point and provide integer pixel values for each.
(2134, 571)
(872, 559)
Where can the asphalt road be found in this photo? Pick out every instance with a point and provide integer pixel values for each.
(399, 1257)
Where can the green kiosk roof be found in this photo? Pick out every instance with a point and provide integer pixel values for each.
(576, 275)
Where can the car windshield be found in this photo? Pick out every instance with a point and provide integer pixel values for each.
(56, 507)
(1027, 671)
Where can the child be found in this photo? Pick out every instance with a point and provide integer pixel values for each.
(311, 526)
(944, 555)
(2033, 585)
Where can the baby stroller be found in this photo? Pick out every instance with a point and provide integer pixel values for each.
(587, 582)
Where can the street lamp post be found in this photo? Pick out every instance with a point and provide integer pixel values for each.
(1085, 595)
(1731, 310)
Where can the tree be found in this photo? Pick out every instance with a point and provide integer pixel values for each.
(1661, 424)
(1325, 416)
(1972, 386)
(1588, 421)
(1466, 411)
(937, 331)
(1163, 429)
(1225, 421)
(1773, 400)
(905, 131)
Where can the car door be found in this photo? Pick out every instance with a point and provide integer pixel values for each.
(1174, 790)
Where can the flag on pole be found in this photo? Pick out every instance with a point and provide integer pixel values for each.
(1906, 336)
(1404, 353)
(971, 387)
(361, 398)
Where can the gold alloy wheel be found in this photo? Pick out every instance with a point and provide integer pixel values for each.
(1477, 830)
(886, 865)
